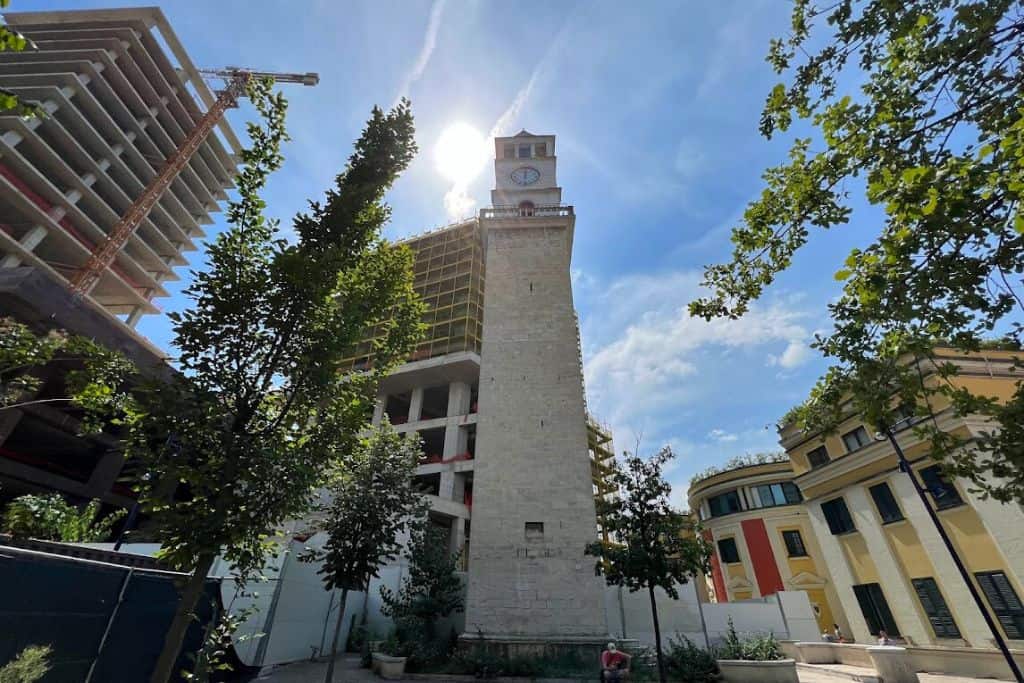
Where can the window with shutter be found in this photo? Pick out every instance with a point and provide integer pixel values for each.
(794, 543)
(728, 551)
(838, 516)
(936, 608)
(1004, 602)
(885, 502)
(856, 439)
(875, 609)
(818, 457)
(942, 490)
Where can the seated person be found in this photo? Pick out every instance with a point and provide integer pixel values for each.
(614, 664)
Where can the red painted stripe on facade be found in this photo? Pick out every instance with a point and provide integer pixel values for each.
(761, 556)
(45, 207)
(716, 570)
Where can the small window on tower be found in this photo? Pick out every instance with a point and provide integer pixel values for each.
(540, 149)
(524, 151)
(526, 208)
(535, 531)
(510, 151)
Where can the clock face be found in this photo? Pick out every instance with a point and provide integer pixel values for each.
(525, 175)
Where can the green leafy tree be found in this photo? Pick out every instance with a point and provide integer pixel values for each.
(12, 41)
(432, 589)
(51, 518)
(918, 103)
(371, 501)
(94, 377)
(653, 544)
(261, 408)
(29, 666)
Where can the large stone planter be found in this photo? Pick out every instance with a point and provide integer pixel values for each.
(740, 671)
(893, 664)
(387, 666)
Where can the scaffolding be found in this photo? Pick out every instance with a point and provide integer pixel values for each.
(449, 278)
(602, 454)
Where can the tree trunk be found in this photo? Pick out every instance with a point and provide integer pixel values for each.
(329, 676)
(164, 669)
(657, 635)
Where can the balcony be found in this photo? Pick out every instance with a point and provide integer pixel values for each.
(526, 211)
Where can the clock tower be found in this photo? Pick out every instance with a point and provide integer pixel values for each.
(530, 583)
(524, 171)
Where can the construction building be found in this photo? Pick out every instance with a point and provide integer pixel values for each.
(878, 562)
(120, 94)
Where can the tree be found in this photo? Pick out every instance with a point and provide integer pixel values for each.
(93, 376)
(653, 545)
(934, 134)
(49, 517)
(432, 590)
(372, 500)
(11, 40)
(29, 666)
(261, 408)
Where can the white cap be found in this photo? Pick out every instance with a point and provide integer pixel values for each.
(611, 647)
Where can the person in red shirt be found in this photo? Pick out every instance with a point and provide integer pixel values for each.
(614, 664)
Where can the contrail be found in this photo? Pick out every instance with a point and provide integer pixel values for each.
(429, 43)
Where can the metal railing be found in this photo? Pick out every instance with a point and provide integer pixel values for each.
(525, 211)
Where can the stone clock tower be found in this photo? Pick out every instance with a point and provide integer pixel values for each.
(529, 581)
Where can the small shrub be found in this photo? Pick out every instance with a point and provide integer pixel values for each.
(51, 518)
(478, 662)
(758, 647)
(688, 663)
(29, 666)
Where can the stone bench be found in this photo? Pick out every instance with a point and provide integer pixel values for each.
(892, 664)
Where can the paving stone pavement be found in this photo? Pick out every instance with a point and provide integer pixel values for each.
(347, 670)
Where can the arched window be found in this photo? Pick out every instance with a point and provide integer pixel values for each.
(526, 208)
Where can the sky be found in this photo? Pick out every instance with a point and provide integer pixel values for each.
(655, 107)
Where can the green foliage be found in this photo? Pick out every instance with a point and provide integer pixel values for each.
(93, 375)
(371, 501)
(220, 638)
(736, 462)
(481, 662)
(431, 590)
(688, 663)
(758, 647)
(49, 517)
(921, 102)
(12, 41)
(261, 409)
(29, 666)
(655, 545)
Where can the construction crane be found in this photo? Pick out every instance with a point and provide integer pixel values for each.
(85, 278)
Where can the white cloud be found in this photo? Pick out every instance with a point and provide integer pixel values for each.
(654, 371)
(429, 43)
(797, 353)
(721, 435)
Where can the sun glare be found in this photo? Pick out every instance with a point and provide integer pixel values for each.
(461, 153)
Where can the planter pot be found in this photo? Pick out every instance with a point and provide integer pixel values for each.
(739, 671)
(387, 666)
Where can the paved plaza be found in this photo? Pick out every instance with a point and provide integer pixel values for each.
(348, 671)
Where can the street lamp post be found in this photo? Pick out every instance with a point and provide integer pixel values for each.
(904, 466)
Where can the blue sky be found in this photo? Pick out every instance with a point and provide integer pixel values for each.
(655, 106)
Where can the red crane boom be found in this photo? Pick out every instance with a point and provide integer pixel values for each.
(85, 278)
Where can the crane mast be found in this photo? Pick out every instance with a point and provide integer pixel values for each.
(85, 278)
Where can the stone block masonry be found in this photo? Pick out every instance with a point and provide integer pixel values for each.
(528, 575)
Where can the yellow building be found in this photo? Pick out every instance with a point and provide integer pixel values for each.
(763, 540)
(890, 568)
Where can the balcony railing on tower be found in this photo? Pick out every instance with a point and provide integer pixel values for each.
(520, 211)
